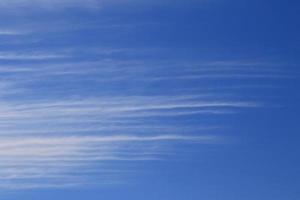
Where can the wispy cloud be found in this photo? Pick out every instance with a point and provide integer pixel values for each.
(59, 143)
(73, 113)
(37, 162)
(48, 3)
(106, 113)
(12, 32)
(50, 143)
(53, 137)
(24, 5)
(14, 56)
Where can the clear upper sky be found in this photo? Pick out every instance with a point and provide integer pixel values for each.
(149, 100)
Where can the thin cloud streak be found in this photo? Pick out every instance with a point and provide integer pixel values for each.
(4, 32)
(29, 56)
(67, 154)
(64, 4)
(60, 141)
(73, 114)
(47, 4)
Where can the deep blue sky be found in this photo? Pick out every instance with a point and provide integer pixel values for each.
(180, 100)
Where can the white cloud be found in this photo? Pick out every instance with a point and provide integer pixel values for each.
(49, 3)
(49, 140)
(83, 4)
(7, 32)
(38, 162)
(29, 56)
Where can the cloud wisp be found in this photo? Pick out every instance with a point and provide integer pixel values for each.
(30, 162)
(67, 4)
(81, 105)
(50, 143)
(54, 137)
(47, 4)
(108, 113)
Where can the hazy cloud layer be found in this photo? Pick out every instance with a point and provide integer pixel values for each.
(75, 115)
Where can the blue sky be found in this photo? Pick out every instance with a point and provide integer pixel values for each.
(194, 99)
